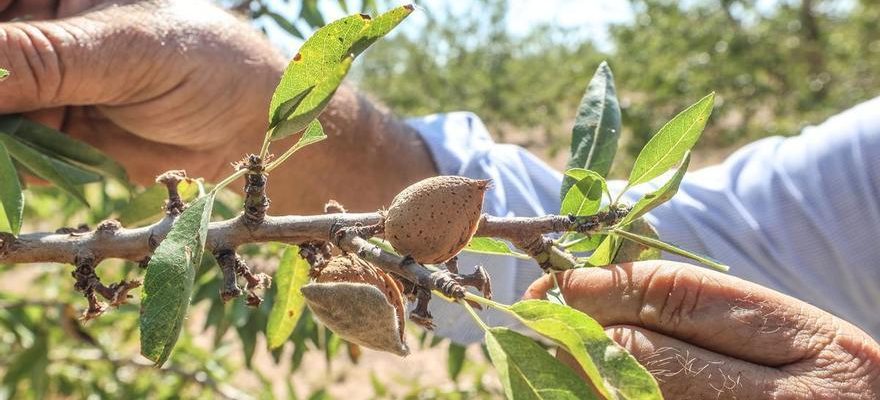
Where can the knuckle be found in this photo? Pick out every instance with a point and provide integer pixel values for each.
(34, 50)
(671, 296)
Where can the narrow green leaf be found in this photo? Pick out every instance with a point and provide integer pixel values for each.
(455, 360)
(76, 175)
(668, 146)
(379, 27)
(146, 206)
(292, 274)
(11, 197)
(605, 253)
(611, 369)
(485, 245)
(596, 127)
(283, 23)
(321, 63)
(55, 144)
(41, 166)
(659, 196)
(285, 109)
(527, 371)
(658, 244)
(169, 279)
(313, 103)
(585, 196)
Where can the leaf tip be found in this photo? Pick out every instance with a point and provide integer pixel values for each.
(409, 7)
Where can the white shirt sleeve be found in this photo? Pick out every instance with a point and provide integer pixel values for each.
(800, 215)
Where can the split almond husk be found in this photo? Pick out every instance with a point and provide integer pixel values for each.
(433, 219)
(360, 303)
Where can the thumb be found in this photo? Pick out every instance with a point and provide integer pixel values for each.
(92, 58)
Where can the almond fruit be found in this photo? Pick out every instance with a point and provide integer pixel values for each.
(360, 303)
(433, 219)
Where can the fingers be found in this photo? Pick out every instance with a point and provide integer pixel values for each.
(717, 312)
(92, 58)
(685, 371)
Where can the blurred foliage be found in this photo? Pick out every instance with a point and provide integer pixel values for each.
(776, 67)
(526, 89)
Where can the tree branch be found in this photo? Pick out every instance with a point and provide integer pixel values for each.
(111, 241)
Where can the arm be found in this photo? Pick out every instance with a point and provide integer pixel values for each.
(178, 84)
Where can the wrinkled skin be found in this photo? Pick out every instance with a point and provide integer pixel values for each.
(182, 84)
(705, 334)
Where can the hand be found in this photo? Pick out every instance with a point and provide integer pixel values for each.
(182, 84)
(704, 334)
(156, 84)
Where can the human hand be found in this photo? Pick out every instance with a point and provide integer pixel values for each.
(182, 84)
(156, 84)
(705, 334)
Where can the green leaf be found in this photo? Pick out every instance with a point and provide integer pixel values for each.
(76, 175)
(527, 371)
(611, 369)
(321, 64)
(3, 74)
(585, 196)
(292, 274)
(11, 197)
(669, 145)
(631, 251)
(658, 244)
(485, 245)
(455, 360)
(578, 242)
(168, 282)
(605, 253)
(659, 196)
(379, 27)
(55, 144)
(596, 127)
(146, 207)
(41, 165)
(283, 23)
(312, 103)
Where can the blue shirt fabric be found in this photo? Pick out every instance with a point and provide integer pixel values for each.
(800, 215)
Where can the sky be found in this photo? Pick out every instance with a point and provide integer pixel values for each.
(592, 16)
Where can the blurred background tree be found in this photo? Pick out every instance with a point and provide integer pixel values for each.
(776, 66)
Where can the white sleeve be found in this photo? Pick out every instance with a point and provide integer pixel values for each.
(800, 215)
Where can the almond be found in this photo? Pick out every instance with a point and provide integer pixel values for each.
(433, 219)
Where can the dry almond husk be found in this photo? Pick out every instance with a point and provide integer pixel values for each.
(360, 303)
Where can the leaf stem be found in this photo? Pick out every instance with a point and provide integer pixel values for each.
(229, 179)
(264, 151)
(276, 162)
(474, 315)
(484, 301)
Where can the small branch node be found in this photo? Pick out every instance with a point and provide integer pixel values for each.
(333, 207)
(108, 226)
(420, 314)
(256, 201)
(174, 205)
(6, 242)
(317, 254)
(228, 259)
(78, 231)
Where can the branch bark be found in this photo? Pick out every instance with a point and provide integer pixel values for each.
(138, 243)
